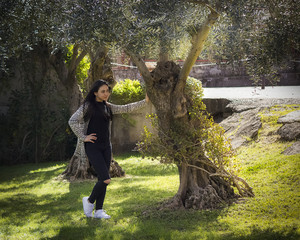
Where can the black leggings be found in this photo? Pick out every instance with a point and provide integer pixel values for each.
(100, 158)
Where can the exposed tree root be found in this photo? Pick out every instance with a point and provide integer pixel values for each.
(115, 170)
(203, 199)
(203, 190)
(84, 171)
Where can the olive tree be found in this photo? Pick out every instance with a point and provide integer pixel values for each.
(260, 35)
(31, 38)
(182, 133)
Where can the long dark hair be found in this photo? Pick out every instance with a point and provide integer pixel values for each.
(90, 102)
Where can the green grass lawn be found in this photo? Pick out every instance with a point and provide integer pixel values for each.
(34, 205)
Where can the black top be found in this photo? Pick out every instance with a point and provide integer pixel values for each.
(99, 124)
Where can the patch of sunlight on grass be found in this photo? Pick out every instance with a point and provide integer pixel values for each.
(274, 211)
(47, 169)
(51, 187)
(269, 118)
(271, 115)
(137, 166)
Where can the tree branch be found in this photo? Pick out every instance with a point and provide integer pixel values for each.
(246, 185)
(245, 192)
(198, 40)
(139, 62)
(207, 163)
(163, 52)
(80, 57)
(202, 169)
(198, 2)
(72, 64)
(50, 138)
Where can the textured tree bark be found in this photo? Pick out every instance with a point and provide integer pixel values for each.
(77, 169)
(100, 68)
(197, 189)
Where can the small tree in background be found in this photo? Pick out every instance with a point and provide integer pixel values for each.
(34, 36)
(260, 35)
(33, 39)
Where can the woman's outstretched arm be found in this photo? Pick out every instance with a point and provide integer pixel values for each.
(117, 109)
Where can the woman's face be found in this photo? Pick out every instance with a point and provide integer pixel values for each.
(102, 94)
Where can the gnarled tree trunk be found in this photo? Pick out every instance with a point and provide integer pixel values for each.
(197, 188)
(200, 186)
(100, 68)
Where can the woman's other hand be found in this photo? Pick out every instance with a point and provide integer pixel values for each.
(147, 98)
(91, 138)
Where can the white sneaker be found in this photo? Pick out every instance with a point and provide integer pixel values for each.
(87, 207)
(101, 214)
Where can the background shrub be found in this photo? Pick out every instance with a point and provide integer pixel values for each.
(127, 91)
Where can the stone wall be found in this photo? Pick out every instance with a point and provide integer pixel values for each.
(127, 129)
(223, 75)
(123, 73)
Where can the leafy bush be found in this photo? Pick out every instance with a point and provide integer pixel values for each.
(127, 91)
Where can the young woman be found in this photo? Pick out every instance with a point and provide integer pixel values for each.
(91, 124)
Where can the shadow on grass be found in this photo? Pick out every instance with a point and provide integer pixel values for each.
(137, 217)
(73, 232)
(28, 175)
